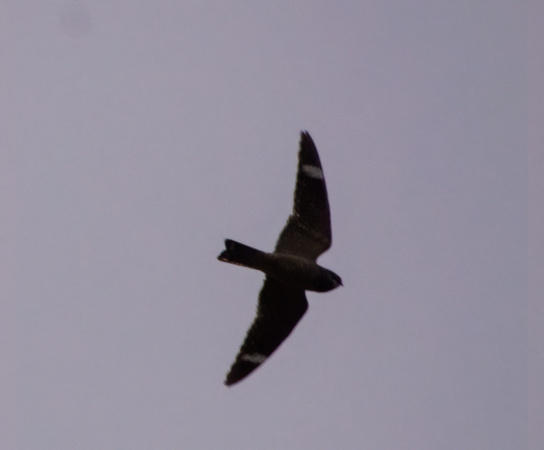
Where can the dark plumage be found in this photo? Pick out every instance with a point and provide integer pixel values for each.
(291, 269)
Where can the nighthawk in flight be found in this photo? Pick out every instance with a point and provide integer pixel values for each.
(291, 269)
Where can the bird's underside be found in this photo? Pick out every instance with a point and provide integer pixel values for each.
(306, 235)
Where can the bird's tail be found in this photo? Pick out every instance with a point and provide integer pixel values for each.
(243, 255)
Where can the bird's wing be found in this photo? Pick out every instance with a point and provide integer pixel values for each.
(308, 230)
(279, 310)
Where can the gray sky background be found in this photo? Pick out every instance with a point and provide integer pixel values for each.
(136, 136)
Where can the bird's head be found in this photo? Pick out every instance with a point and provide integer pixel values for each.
(327, 281)
(335, 278)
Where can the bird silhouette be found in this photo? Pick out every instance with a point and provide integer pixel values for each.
(291, 269)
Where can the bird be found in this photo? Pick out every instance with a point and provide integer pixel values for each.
(291, 269)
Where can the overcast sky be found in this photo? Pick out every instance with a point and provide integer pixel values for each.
(136, 136)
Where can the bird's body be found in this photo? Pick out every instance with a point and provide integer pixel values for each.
(291, 269)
